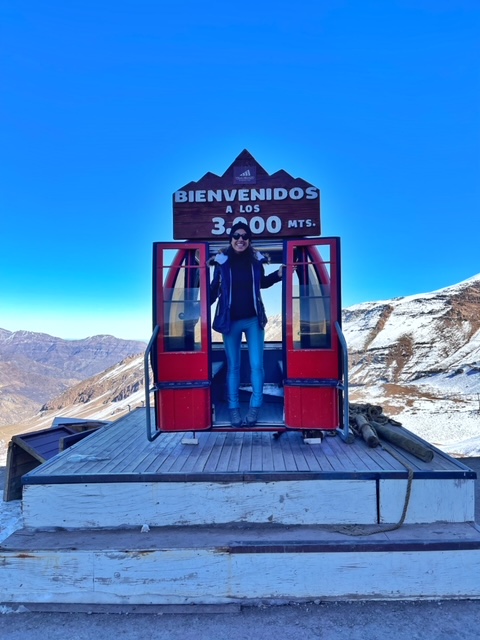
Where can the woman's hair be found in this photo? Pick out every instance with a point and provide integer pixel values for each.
(249, 251)
(244, 227)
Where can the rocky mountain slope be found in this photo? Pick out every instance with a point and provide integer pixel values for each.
(36, 367)
(106, 395)
(417, 345)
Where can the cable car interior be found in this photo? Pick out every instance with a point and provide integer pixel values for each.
(304, 355)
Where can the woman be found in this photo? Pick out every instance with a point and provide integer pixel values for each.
(237, 280)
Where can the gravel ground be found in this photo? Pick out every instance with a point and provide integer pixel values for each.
(446, 620)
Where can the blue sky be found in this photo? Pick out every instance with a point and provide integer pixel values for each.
(106, 108)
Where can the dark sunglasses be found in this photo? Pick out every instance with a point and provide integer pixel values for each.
(237, 236)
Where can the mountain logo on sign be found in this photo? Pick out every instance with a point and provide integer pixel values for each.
(245, 175)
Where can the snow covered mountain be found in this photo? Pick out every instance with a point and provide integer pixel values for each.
(429, 340)
(419, 357)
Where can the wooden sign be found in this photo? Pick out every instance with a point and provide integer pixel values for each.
(274, 205)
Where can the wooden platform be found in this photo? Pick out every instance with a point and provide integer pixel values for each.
(121, 479)
(241, 517)
(121, 451)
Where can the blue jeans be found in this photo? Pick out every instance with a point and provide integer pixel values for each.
(232, 342)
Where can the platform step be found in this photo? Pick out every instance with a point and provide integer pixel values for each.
(232, 564)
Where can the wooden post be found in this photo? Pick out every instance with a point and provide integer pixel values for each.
(401, 440)
(366, 430)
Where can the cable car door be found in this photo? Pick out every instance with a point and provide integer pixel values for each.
(180, 359)
(312, 386)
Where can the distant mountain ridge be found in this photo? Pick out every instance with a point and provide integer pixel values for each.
(401, 351)
(36, 367)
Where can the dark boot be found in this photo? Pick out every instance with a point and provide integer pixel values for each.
(235, 418)
(251, 417)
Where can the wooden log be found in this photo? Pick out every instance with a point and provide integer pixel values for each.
(368, 434)
(366, 430)
(411, 445)
(361, 420)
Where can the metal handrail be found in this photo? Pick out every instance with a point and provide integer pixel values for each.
(345, 432)
(148, 350)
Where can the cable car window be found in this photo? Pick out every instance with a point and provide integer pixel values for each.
(181, 304)
(311, 304)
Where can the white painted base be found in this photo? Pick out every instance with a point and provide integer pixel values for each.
(106, 505)
(201, 576)
(320, 502)
(430, 501)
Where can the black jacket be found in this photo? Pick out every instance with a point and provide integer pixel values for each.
(221, 288)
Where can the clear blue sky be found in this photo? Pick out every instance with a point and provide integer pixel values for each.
(108, 107)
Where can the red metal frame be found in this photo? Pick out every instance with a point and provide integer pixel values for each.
(312, 376)
(311, 391)
(180, 404)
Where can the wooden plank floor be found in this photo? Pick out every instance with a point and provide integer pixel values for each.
(121, 452)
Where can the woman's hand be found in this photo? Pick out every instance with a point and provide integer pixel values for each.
(280, 270)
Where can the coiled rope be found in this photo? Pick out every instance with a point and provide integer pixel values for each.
(374, 413)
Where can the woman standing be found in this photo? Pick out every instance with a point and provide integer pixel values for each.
(237, 280)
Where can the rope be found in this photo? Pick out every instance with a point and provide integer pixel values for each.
(376, 413)
(361, 530)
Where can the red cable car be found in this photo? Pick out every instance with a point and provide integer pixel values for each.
(305, 363)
